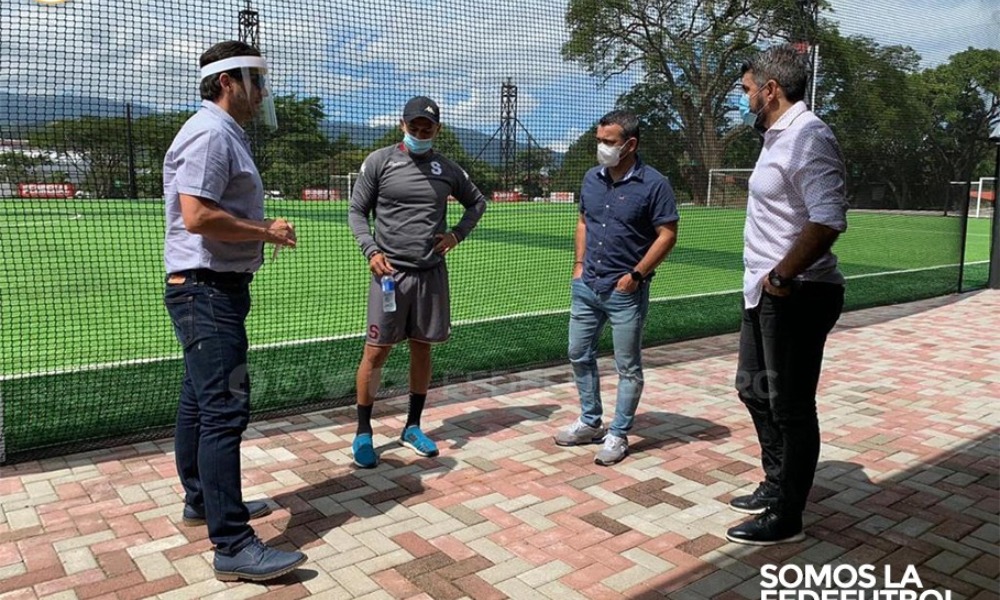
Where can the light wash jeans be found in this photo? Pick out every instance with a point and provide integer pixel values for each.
(589, 312)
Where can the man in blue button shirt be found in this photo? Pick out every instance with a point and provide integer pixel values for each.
(215, 233)
(627, 226)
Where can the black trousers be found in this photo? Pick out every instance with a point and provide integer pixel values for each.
(781, 352)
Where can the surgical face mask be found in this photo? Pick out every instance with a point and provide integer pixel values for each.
(251, 79)
(608, 155)
(749, 117)
(417, 146)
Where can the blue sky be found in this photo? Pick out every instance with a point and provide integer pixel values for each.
(364, 58)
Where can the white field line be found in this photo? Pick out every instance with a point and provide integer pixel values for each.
(347, 336)
(43, 221)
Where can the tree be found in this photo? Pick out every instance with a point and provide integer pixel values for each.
(20, 167)
(153, 135)
(296, 155)
(533, 167)
(580, 156)
(879, 117)
(94, 142)
(963, 96)
(689, 52)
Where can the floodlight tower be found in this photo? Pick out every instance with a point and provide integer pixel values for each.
(508, 132)
(249, 26)
(249, 33)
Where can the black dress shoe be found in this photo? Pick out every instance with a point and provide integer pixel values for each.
(760, 500)
(256, 562)
(768, 529)
(195, 517)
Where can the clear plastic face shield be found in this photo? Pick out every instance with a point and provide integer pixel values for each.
(253, 75)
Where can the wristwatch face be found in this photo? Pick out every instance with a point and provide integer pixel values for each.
(776, 280)
(636, 276)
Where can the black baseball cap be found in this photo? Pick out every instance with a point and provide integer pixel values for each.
(421, 106)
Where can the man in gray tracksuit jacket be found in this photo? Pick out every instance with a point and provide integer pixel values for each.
(407, 187)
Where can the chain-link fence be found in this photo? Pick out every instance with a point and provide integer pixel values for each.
(93, 91)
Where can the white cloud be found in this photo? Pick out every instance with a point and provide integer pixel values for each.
(936, 29)
(563, 144)
(364, 58)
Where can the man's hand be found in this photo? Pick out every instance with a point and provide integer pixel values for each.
(379, 265)
(444, 242)
(577, 269)
(280, 232)
(773, 291)
(626, 285)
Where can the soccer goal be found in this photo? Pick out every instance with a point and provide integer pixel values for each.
(982, 196)
(727, 188)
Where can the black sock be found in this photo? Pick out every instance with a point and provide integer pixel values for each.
(416, 409)
(365, 419)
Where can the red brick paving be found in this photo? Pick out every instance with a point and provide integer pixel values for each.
(909, 474)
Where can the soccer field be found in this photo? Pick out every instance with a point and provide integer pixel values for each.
(87, 352)
(81, 282)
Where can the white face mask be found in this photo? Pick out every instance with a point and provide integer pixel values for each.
(608, 156)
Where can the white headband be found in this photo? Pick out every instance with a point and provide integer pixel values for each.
(220, 66)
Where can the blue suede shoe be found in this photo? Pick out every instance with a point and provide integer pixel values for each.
(256, 562)
(364, 451)
(415, 440)
(195, 516)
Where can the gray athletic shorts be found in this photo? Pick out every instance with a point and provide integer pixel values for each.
(423, 311)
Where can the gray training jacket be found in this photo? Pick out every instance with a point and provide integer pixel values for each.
(409, 196)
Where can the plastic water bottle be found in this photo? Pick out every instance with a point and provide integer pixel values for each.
(388, 294)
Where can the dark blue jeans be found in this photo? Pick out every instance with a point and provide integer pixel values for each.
(781, 353)
(209, 322)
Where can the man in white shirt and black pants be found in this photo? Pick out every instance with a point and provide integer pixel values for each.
(793, 291)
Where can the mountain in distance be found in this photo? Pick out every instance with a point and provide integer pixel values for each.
(474, 142)
(19, 113)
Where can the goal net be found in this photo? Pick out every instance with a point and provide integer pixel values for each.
(981, 193)
(727, 188)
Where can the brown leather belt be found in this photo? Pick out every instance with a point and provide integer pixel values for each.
(210, 277)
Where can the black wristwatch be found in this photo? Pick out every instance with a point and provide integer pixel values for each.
(636, 276)
(777, 280)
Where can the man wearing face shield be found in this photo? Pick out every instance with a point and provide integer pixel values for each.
(793, 291)
(407, 186)
(627, 226)
(215, 235)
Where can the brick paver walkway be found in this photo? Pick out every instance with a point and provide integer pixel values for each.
(908, 475)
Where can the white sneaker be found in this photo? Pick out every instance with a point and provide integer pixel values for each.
(614, 450)
(580, 433)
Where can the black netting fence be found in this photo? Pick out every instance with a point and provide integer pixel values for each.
(93, 91)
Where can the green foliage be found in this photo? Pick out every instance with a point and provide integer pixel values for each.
(97, 143)
(580, 156)
(18, 167)
(297, 154)
(690, 54)
(874, 109)
(963, 100)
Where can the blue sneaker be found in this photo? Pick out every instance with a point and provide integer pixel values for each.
(364, 451)
(415, 440)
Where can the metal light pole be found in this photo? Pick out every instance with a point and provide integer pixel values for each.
(809, 34)
(994, 280)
